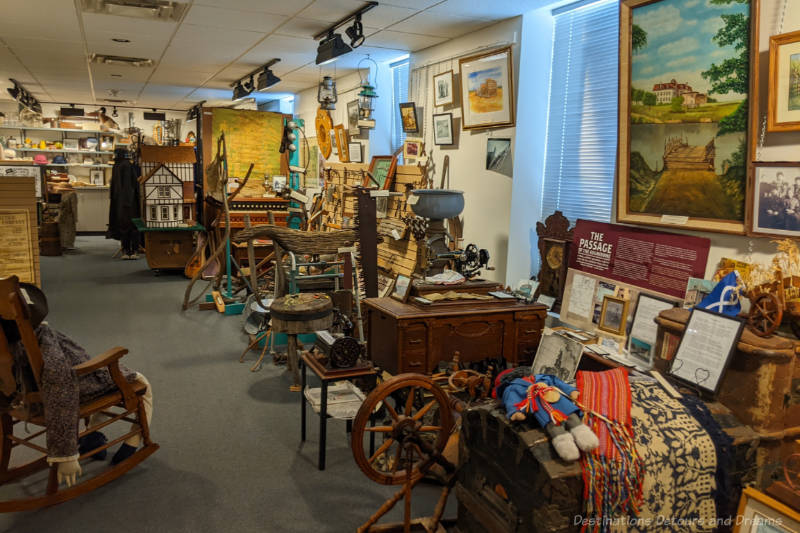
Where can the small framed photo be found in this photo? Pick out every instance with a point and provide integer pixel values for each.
(401, 288)
(705, 349)
(613, 315)
(443, 129)
(71, 144)
(775, 199)
(412, 149)
(352, 116)
(558, 356)
(97, 177)
(644, 332)
(443, 88)
(341, 143)
(382, 168)
(408, 115)
(783, 103)
(356, 152)
(759, 513)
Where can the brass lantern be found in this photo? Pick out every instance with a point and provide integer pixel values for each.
(326, 94)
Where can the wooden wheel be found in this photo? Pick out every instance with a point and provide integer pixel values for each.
(795, 325)
(765, 315)
(408, 443)
(460, 379)
(791, 471)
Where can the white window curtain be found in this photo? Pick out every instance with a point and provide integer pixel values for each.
(580, 155)
(399, 95)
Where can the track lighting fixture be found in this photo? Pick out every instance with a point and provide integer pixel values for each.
(258, 80)
(239, 91)
(23, 97)
(332, 46)
(114, 112)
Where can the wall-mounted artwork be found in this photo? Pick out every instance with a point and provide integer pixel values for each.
(487, 91)
(784, 82)
(498, 156)
(683, 115)
(775, 200)
(443, 88)
(443, 129)
(408, 114)
(352, 117)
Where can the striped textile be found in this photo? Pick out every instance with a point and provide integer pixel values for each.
(613, 473)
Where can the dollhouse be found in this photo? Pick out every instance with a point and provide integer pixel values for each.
(164, 203)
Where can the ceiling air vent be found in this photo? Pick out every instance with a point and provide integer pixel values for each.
(116, 101)
(147, 9)
(121, 60)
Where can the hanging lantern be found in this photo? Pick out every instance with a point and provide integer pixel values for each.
(366, 98)
(326, 94)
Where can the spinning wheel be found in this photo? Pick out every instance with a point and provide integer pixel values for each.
(791, 471)
(324, 125)
(765, 315)
(345, 352)
(411, 445)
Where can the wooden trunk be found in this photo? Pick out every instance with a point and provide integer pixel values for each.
(168, 249)
(49, 239)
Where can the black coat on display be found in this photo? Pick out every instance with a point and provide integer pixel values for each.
(125, 204)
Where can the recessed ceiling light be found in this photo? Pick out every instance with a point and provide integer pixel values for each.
(120, 40)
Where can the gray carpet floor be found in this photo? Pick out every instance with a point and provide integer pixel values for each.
(230, 457)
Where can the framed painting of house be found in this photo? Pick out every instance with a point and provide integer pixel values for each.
(487, 90)
(683, 113)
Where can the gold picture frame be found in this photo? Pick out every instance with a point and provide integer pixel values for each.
(487, 89)
(783, 102)
(614, 315)
(757, 509)
(341, 143)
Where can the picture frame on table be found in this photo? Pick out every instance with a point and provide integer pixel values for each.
(644, 331)
(443, 88)
(705, 349)
(487, 89)
(408, 117)
(774, 200)
(557, 355)
(341, 143)
(356, 152)
(783, 100)
(401, 288)
(382, 168)
(352, 116)
(614, 315)
(683, 121)
(443, 129)
(760, 513)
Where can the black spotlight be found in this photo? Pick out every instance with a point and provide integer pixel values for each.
(239, 91)
(266, 79)
(114, 113)
(330, 48)
(356, 33)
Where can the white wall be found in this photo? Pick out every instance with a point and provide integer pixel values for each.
(529, 162)
(487, 194)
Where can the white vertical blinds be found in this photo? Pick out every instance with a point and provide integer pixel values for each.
(581, 137)
(399, 95)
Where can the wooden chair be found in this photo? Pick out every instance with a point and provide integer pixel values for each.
(122, 405)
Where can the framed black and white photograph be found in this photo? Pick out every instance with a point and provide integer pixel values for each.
(443, 129)
(356, 152)
(408, 116)
(498, 156)
(557, 356)
(705, 349)
(614, 315)
(644, 330)
(96, 177)
(352, 117)
(443, 88)
(775, 199)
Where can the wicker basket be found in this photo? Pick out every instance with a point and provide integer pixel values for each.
(297, 241)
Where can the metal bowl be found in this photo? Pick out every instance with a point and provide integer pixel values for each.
(438, 203)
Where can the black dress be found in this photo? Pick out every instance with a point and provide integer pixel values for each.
(125, 204)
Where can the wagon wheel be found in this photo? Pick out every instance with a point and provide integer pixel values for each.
(794, 323)
(791, 471)
(388, 465)
(459, 380)
(765, 315)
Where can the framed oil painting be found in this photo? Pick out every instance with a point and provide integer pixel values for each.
(487, 91)
(775, 200)
(408, 114)
(443, 88)
(783, 105)
(683, 113)
(382, 168)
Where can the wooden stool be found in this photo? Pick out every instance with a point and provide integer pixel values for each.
(300, 313)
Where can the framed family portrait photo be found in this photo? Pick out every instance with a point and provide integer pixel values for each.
(775, 199)
(783, 103)
(487, 91)
(614, 315)
(443, 88)
(683, 114)
(443, 129)
(408, 115)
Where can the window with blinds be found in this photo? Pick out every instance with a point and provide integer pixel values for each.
(399, 95)
(580, 155)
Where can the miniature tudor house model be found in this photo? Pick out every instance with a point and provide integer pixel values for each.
(165, 203)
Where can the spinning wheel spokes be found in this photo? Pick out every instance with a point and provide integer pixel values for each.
(791, 471)
(412, 441)
(766, 313)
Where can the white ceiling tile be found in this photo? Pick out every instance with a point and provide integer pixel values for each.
(413, 4)
(24, 19)
(293, 52)
(178, 76)
(129, 74)
(230, 19)
(409, 42)
(439, 26)
(96, 24)
(140, 46)
(192, 46)
(494, 10)
(278, 7)
(302, 27)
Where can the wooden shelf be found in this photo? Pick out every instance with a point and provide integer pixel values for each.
(86, 152)
(59, 129)
(77, 165)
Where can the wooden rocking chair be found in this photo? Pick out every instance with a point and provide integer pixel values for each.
(127, 398)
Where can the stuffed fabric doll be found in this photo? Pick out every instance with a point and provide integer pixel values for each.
(538, 396)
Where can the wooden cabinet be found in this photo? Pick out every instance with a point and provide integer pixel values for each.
(410, 338)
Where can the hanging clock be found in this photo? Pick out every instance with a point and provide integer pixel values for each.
(555, 237)
(324, 125)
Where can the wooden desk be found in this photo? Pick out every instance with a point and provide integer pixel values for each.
(410, 338)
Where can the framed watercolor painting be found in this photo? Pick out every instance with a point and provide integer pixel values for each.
(783, 105)
(683, 114)
(408, 114)
(412, 150)
(774, 200)
(443, 88)
(487, 90)
(443, 129)
(382, 168)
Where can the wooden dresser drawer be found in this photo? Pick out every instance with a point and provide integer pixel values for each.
(414, 347)
(529, 330)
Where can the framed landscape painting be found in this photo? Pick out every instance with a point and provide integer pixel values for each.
(683, 113)
(487, 91)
